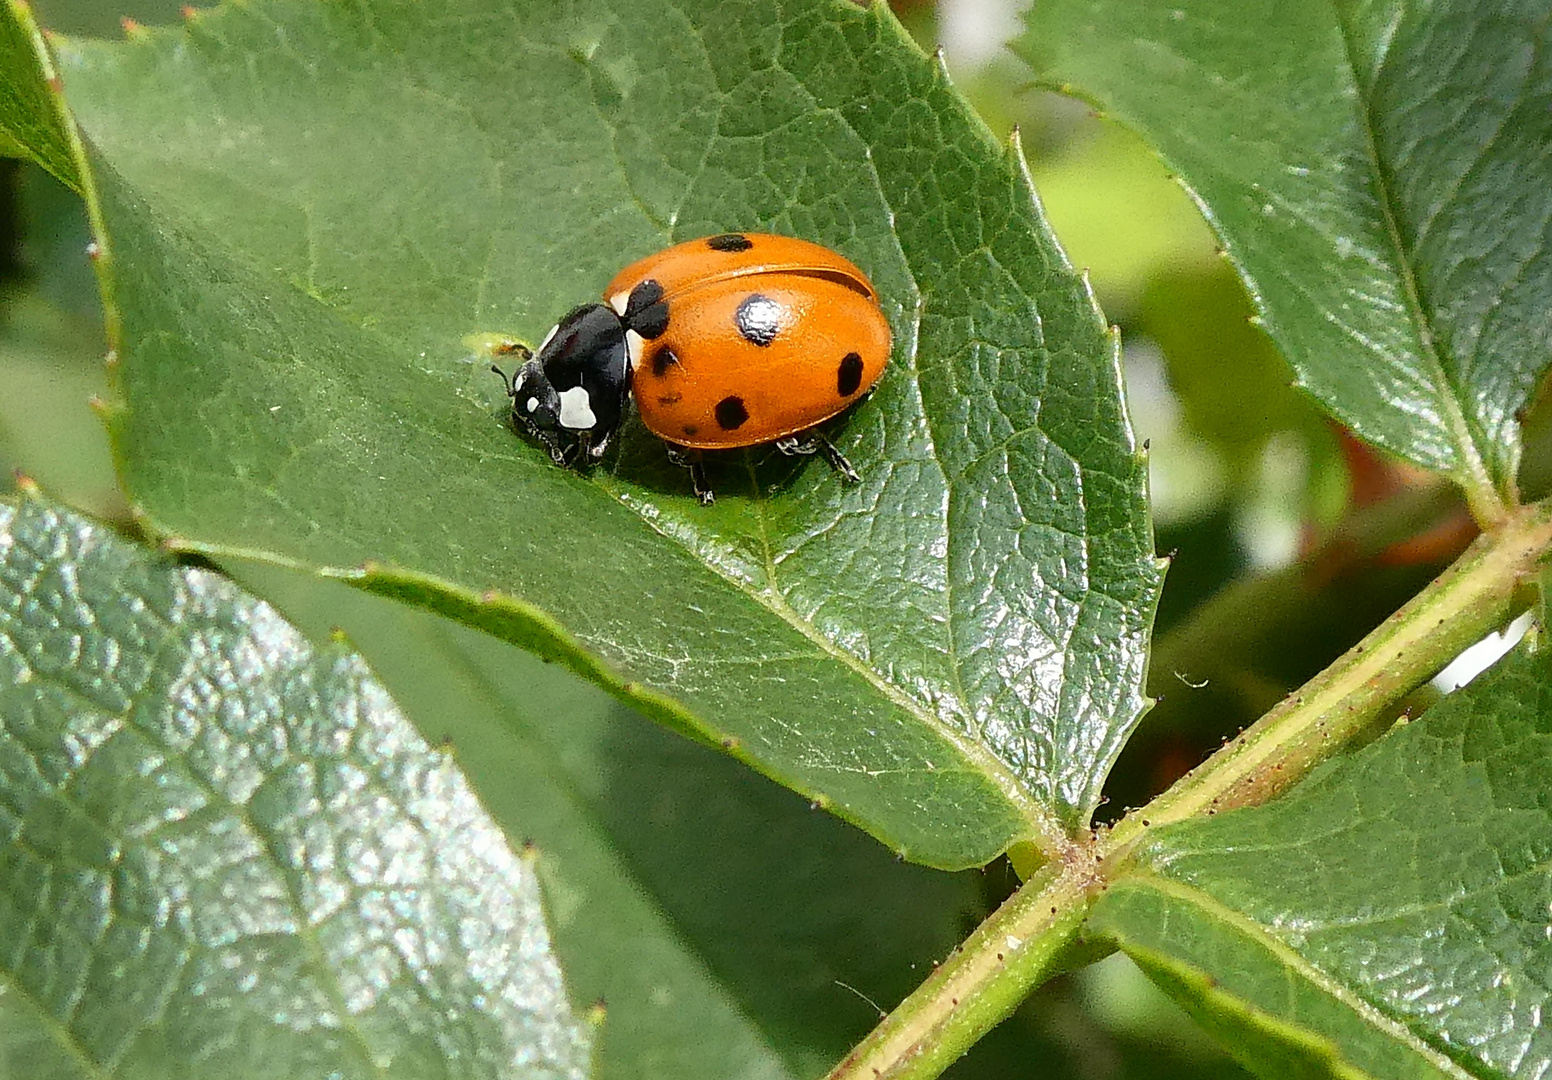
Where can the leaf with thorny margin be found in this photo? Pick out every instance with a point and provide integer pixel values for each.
(1389, 915)
(306, 208)
(1378, 173)
(221, 845)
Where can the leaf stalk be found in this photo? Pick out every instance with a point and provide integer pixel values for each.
(1021, 945)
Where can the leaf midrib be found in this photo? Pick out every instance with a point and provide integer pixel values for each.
(1381, 1022)
(1048, 834)
(1486, 502)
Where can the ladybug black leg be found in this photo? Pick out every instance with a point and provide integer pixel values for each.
(814, 443)
(692, 460)
(595, 452)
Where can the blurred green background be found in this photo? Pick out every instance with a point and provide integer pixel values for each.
(1288, 541)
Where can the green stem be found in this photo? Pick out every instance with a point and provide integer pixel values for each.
(1476, 595)
(1018, 947)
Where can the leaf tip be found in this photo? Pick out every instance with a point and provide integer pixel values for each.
(597, 1012)
(1016, 150)
(26, 484)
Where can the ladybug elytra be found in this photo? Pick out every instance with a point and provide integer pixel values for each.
(728, 341)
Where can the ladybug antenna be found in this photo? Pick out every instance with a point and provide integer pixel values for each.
(506, 382)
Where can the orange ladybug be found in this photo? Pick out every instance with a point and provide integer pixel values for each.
(727, 341)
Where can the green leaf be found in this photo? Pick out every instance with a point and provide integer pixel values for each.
(1393, 908)
(225, 850)
(33, 123)
(308, 208)
(728, 927)
(1377, 172)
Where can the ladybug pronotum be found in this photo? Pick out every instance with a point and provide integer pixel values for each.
(727, 341)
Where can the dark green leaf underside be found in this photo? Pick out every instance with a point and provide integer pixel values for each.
(1378, 173)
(222, 850)
(661, 857)
(1396, 904)
(310, 207)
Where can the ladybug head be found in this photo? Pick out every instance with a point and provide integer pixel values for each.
(534, 400)
(572, 395)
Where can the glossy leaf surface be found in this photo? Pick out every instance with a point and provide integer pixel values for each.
(728, 926)
(225, 851)
(308, 209)
(1389, 915)
(1378, 172)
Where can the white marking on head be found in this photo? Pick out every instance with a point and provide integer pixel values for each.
(619, 301)
(576, 410)
(533, 403)
(634, 343)
(548, 337)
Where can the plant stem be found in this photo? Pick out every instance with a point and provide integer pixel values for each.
(1016, 949)
(1028, 939)
(1476, 595)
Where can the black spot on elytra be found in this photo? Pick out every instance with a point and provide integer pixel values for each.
(690, 429)
(731, 242)
(646, 312)
(849, 375)
(670, 399)
(663, 359)
(731, 413)
(758, 319)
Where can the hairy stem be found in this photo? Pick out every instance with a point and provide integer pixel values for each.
(1018, 947)
(1030, 938)
(1476, 595)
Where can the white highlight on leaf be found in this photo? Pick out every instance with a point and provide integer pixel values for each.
(576, 409)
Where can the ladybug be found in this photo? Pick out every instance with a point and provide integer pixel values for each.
(727, 341)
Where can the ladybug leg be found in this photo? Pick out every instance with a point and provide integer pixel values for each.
(692, 460)
(558, 453)
(595, 451)
(814, 443)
